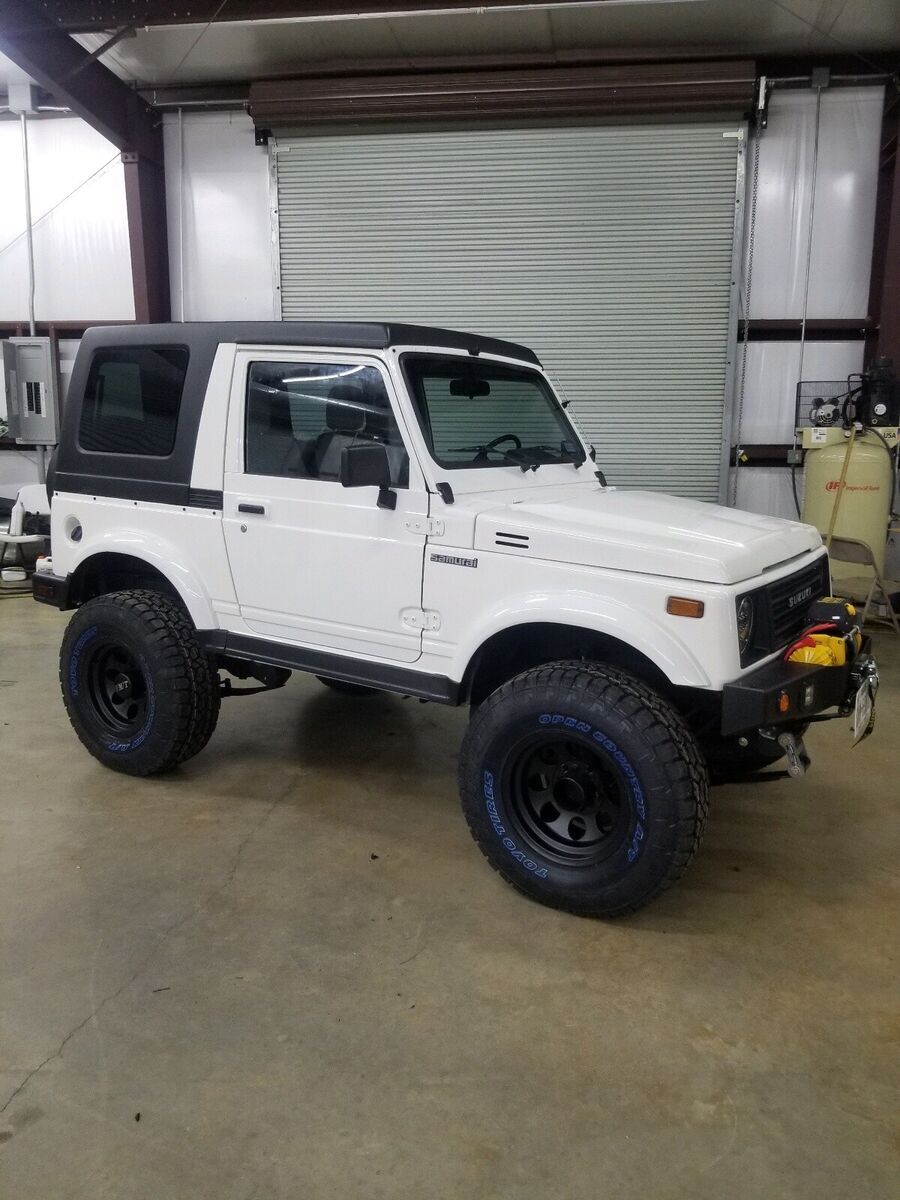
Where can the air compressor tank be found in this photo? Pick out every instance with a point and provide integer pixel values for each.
(865, 504)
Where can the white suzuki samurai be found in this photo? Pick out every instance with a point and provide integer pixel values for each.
(396, 508)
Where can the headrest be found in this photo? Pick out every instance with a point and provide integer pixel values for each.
(280, 417)
(345, 411)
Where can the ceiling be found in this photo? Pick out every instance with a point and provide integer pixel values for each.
(241, 50)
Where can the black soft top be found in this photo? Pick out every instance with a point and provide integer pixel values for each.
(360, 335)
(167, 479)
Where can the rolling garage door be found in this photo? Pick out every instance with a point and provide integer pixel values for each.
(608, 249)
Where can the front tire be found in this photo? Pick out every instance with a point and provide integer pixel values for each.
(583, 788)
(140, 692)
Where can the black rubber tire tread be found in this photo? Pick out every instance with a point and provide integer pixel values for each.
(345, 688)
(675, 742)
(206, 687)
(191, 680)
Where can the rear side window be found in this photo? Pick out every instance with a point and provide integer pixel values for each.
(132, 399)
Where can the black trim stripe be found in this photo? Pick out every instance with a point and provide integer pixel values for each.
(335, 666)
(150, 491)
(205, 498)
(153, 491)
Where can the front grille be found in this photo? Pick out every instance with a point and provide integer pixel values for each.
(789, 600)
(782, 608)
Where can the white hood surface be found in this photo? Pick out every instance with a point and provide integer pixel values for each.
(638, 531)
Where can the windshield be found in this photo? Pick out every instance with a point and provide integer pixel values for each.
(483, 414)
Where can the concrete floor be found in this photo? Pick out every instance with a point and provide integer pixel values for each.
(290, 962)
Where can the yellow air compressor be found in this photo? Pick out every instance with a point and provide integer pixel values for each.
(850, 443)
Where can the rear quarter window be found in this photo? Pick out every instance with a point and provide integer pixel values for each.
(132, 400)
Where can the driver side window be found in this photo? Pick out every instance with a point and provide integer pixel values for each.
(300, 417)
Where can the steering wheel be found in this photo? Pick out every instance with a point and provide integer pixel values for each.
(481, 452)
(504, 437)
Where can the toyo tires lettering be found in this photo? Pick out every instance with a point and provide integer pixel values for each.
(560, 720)
(500, 829)
(76, 657)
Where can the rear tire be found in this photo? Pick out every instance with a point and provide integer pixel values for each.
(140, 692)
(583, 788)
(346, 689)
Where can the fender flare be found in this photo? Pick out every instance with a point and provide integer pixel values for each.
(169, 560)
(597, 614)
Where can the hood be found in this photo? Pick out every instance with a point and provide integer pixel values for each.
(640, 531)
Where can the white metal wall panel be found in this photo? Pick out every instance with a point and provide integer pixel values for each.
(220, 230)
(82, 264)
(773, 369)
(606, 249)
(846, 183)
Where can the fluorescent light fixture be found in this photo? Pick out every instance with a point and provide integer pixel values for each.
(321, 378)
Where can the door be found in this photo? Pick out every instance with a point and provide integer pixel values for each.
(313, 562)
(606, 249)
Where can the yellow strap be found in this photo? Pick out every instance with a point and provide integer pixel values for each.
(840, 489)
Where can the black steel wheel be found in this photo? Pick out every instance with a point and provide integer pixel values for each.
(117, 688)
(140, 691)
(583, 787)
(567, 800)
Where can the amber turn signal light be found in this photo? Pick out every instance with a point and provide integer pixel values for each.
(784, 702)
(679, 606)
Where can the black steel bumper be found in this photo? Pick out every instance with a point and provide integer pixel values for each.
(51, 589)
(756, 700)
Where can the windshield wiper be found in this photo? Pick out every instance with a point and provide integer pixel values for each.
(484, 451)
(526, 458)
(564, 453)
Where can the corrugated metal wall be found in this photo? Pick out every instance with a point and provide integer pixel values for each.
(607, 249)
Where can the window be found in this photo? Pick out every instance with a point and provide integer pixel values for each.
(302, 416)
(132, 399)
(481, 414)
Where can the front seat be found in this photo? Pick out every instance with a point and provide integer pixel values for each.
(271, 444)
(345, 416)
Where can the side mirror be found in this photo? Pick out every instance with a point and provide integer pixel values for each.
(368, 466)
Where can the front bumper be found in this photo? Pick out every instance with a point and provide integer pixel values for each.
(51, 589)
(757, 700)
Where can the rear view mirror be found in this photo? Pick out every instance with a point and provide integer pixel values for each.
(365, 466)
(470, 387)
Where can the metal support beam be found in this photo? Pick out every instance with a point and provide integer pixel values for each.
(60, 66)
(884, 295)
(145, 199)
(89, 16)
(515, 94)
(75, 78)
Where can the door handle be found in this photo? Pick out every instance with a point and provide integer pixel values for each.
(258, 510)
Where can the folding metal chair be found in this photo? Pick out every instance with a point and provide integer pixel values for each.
(861, 588)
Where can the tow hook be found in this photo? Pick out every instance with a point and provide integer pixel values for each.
(797, 758)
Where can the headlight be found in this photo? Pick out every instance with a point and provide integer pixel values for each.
(745, 623)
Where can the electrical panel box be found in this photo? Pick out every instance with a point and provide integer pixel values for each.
(32, 392)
